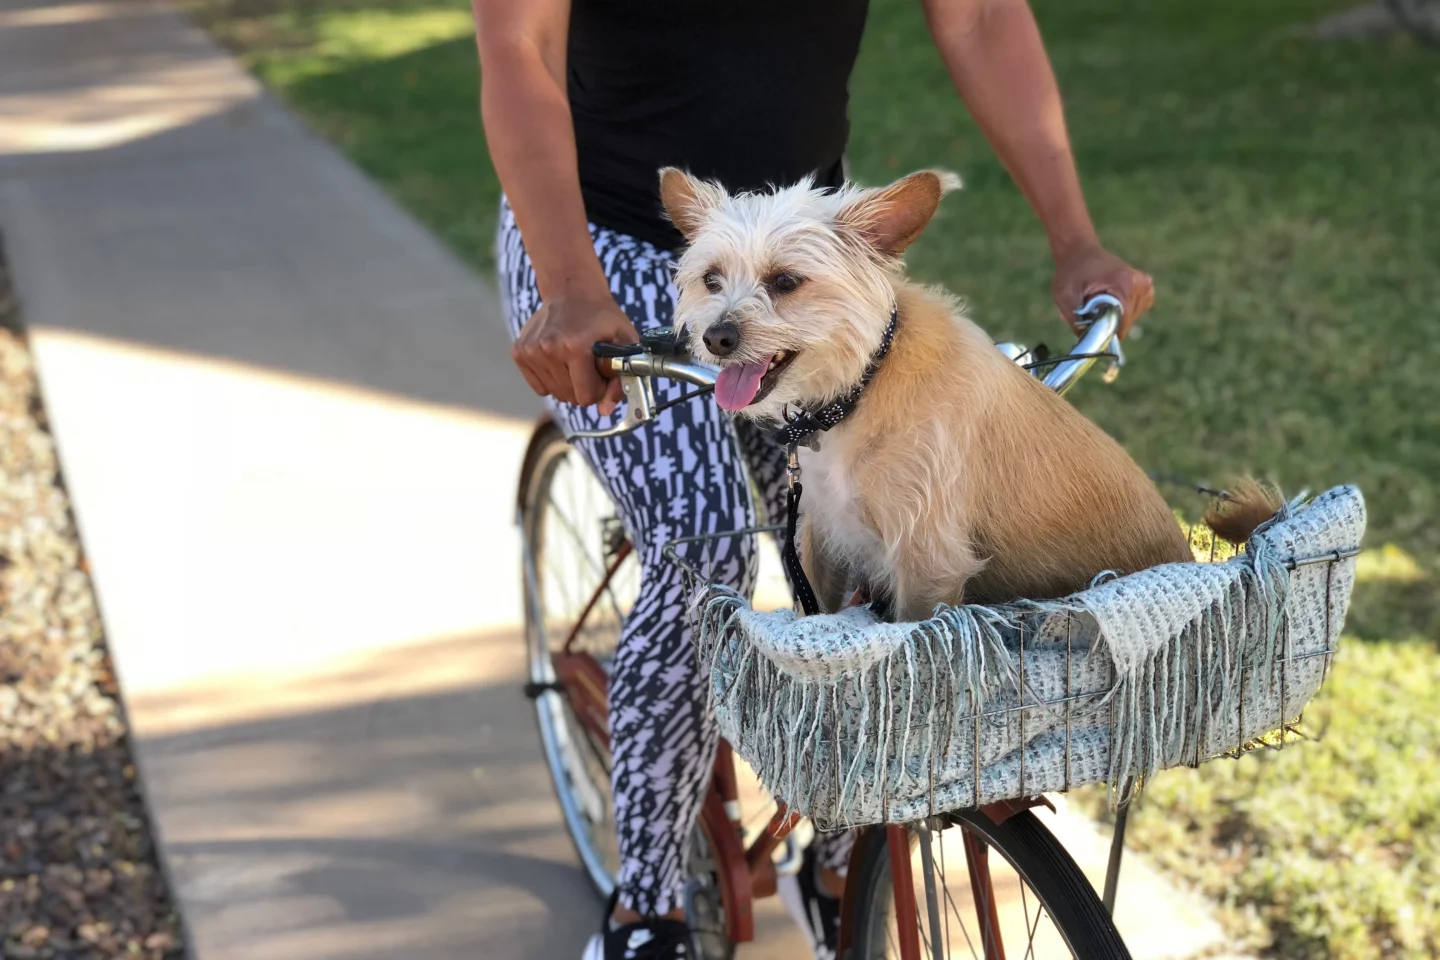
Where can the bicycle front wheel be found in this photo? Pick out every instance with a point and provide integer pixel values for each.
(978, 889)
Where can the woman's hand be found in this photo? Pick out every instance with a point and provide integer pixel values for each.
(1092, 270)
(553, 350)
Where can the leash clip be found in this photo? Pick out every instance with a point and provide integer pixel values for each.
(812, 438)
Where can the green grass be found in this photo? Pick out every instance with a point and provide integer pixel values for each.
(1283, 192)
(1327, 849)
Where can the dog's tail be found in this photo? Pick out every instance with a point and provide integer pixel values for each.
(1237, 512)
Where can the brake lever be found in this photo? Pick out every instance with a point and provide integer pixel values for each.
(639, 395)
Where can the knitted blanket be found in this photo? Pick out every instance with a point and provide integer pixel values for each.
(851, 721)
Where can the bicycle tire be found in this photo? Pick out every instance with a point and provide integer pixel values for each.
(1036, 857)
(1420, 19)
(548, 446)
(704, 893)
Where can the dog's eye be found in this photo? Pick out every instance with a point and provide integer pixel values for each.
(785, 282)
(712, 282)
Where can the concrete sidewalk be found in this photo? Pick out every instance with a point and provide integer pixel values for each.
(290, 429)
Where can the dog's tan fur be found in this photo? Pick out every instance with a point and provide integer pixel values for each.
(958, 475)
(1238, 511)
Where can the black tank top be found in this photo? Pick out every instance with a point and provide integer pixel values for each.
(748, 92)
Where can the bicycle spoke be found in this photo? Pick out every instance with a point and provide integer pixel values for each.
(954, 908)
(604, 512)
(579, 539)
(964, 927)
(578, 555)
(1025, 905)
(1030, 951)
(945, 891)
(575, 480)
(559, 553)
(932, 900)
(557, 576)
(562, 508)
(614, 599)
(578, 511)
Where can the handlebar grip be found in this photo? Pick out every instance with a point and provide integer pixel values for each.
(606, 351)
(609, 355)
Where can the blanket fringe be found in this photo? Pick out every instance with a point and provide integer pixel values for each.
(937, 719)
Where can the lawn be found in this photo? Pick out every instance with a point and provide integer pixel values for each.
(1283, 192)
(1320, 850)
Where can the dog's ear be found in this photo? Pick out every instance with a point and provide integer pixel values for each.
(890, 218)
(687, 200)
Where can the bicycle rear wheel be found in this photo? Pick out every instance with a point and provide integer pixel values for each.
(1420, 17)
(1030, 901)
(580, 581)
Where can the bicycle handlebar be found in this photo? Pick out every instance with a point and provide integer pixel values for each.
(662, 355)
(1100, 318)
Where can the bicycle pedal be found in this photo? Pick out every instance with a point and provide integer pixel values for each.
(790, 861)
(534, 690)
(790, 855)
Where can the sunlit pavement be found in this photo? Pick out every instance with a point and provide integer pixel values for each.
(290, 429)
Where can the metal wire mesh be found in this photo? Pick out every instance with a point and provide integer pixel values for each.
(1087, 683)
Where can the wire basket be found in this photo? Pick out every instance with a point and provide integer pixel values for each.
(852, 721)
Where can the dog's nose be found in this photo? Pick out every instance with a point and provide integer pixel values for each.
(721, 338)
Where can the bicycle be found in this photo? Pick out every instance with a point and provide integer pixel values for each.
(1421, 18)
(573, 619)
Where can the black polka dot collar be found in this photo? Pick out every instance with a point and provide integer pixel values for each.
(801, 427)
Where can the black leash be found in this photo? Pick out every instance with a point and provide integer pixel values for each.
(880, 603)
(788, 554)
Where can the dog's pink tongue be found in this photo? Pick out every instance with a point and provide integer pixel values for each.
(737, 384)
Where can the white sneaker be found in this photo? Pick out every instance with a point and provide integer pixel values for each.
(646, 940)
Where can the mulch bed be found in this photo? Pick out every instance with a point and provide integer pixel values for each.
(78, 871)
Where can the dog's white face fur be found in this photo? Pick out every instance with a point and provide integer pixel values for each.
(805, 276)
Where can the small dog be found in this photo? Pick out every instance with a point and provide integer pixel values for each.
(956, 475)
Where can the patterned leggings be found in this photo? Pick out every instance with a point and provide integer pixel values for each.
(682, 475)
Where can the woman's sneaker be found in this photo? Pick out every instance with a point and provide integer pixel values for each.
(646, 940)
(817, 913)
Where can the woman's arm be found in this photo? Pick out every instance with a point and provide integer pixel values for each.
(998, 62)
(526, 111)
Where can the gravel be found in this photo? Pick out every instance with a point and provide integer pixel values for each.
(78, 871)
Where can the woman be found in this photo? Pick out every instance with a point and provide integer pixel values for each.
(583, 102)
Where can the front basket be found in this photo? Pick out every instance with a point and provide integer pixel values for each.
(852, 721)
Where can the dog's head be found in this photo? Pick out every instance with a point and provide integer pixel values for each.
(790, 291)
